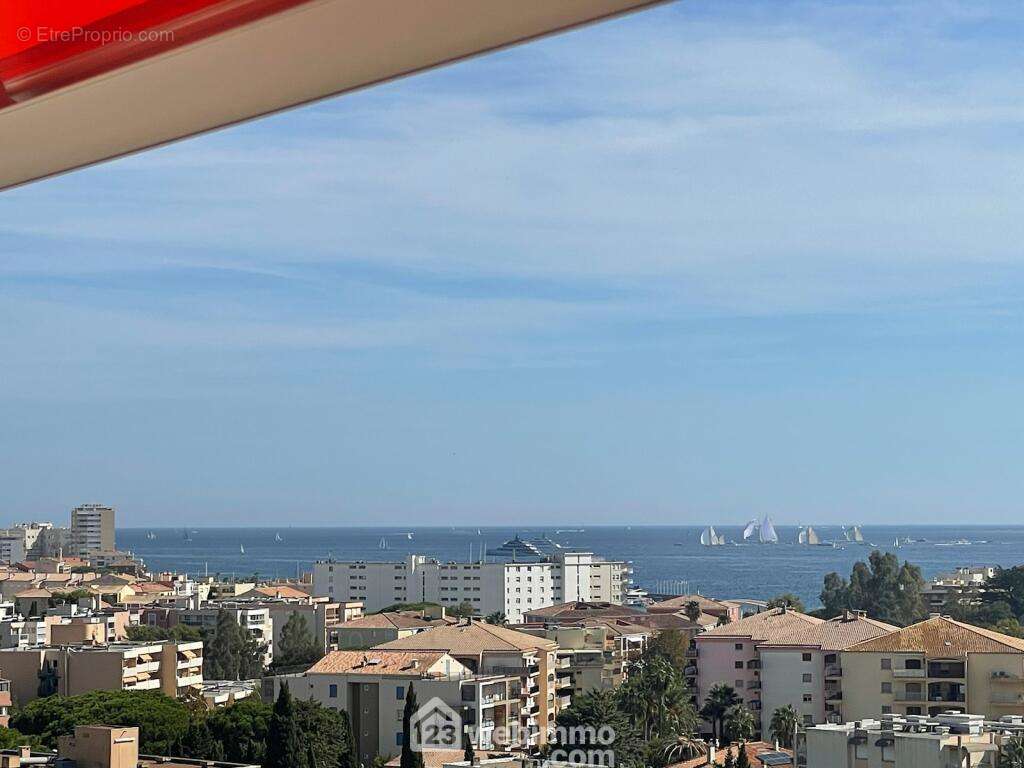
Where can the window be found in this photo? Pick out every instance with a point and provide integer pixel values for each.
(807, 677)
(913, 710)
(738, 664)
(806, 657)
(739, 684)
(912, 664)
(886, 687)
(332, 691)
(808, 698)
(398, 739)
(739, 646)
(886, 663)
(886, 709)
(400, 692)
(808, 719)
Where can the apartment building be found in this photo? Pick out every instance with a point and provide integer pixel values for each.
(486, 649)
(934, 666)
(594, 654)
(729, 654)
(965, 584)
(92, 529)
(171, 667)
(254, 619)
(379, 628)
(322, 617)
(5, 702)
(805, 670)
(22, 541)
(81, 629)
(511, 588)
(372, 685)
(892, 741)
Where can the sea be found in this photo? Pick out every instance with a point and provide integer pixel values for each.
(665, 559)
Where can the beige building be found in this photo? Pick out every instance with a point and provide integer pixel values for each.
(101, 746)
(92, 529)
(372, 685)
(486, 649)
(173, 668)
(379, 628)
(932, 667)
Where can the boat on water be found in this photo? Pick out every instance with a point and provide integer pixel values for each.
(750, 529)
(572, 530)
(150, 536)
(809, 537)
(854, 534)
(709, 538)
(277, 537)
(526, 549)
(186, 536)
(383, 543)
(241, 549)
(408, 536)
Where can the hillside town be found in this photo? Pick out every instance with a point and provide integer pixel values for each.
(514, 651)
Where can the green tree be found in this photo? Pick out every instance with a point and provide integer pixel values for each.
(742, 761)
(835, 595)
(719, 700)
(284, 745)
(656, 697)
(910, 607)
(161, 720)
(198, 742)
(242, 730)
(730, 761)
(463, 610)
(410, 758)
(740, 724)
(350, 757)
(297, 646)
(497, 618)
(1007, 586)
(326, 732)
(1012, 753)
(783, 725)
(586, 716)
(692, 610)
(669, 644)
(147, 634)
(467, 749)
(232, 653)
(787, 600)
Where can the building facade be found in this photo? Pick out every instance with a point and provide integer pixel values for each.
(92, 529)
(511, 588)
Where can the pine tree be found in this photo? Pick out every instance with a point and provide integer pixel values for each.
(730, 762)
(297, 645)
(467, 752)
(284, 747)
(410, 758)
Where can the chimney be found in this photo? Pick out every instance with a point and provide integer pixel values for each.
(415, 663)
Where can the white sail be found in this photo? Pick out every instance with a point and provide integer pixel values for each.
(708, 537)
(721, 539)
(855, 535)
(750, 529)
(812, 537)
(801, 538)
(766, 534)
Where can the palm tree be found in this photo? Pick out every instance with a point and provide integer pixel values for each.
(498, 618)
(1012, 755)
(739, 723)
(692, 610)
(656, 697)
(719, 699)
(684, 748)
(783, 725)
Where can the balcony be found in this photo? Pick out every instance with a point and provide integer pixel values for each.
(564, 701)
(947, 670)
(833, 695)
(564, 681)
(908, 673)
(833, 670)
(908, 696)
(1007, 677)
(754, 664)
(690, 671)
(691, 652)
(1007, 699)
(754, 685)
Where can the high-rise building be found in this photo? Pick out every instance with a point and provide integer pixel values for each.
(92, 529)
(512, 588)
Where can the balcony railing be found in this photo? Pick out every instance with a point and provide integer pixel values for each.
(908, 673)
(833, 670)
(909, 696)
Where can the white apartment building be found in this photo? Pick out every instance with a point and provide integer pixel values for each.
(255, 619)
(511, 588)
(92, 529)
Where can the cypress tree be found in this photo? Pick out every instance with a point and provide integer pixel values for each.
(284, 747)
(467, 752)
(742, 761)
(410, 758)
(350, 755)
(729, 761)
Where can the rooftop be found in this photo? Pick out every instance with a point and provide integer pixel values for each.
(376, 661)
(580, 610)
(471, 637)
(778, 625)
(942, 636)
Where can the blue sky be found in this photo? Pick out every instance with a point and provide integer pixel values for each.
(715, 259)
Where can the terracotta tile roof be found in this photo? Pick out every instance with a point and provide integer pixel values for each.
(776, 625)
(31, 593)
(388, 620)
(753, 749)
(833, 635)
(579, 610)
(436, 758)
(279, 590)
(942, 636)
(670, 621)
(473, 638)
(679, 602)
(384, 662)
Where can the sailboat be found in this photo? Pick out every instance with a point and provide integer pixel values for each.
(150, 536)
(277, 537)
(808, 536)
(408, 536)
(187, 536)
(766, 533)
(383, 543)
(709, 538)
(241, 548)
(854, 534)
(750, 529)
